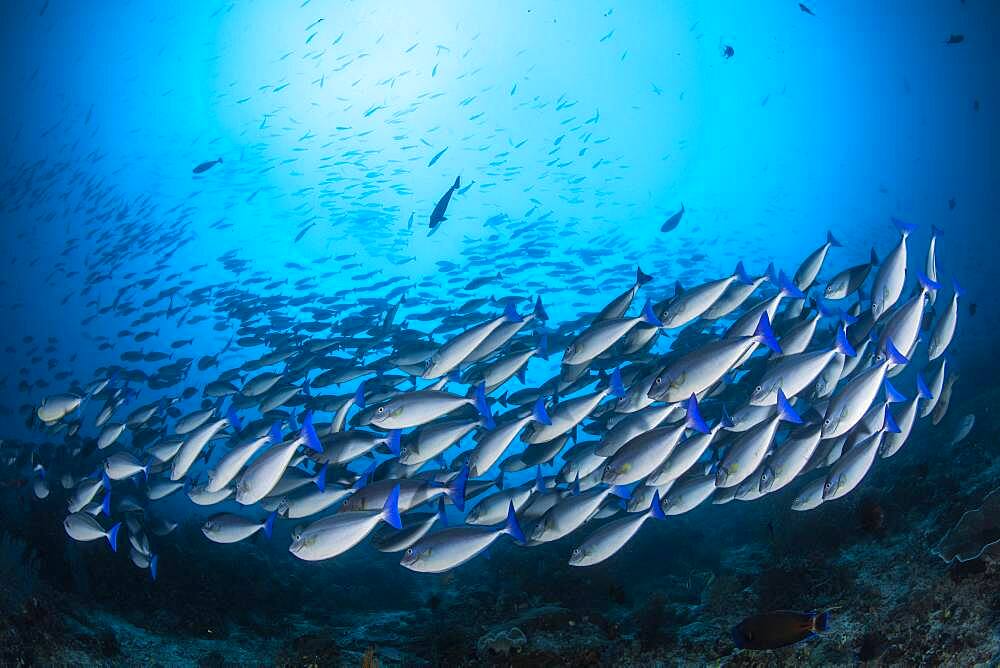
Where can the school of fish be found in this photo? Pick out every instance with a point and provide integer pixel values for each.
(769, 381)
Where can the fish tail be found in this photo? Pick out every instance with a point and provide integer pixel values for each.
(615, 383)
(456, 490)
(540, 312)
(889, 424)
(483, 407)
(359, 395)
(922, 389)
(764, 334)
(785, 410)
(539, 412)
(927, 283)
(648, 316)
(390, 510)
(821, 622)
(106, 504)
(844, 346)
(656, 507)
(392, 440)
(510, 313)
(641, 277)
(741, 274)
(308, 432)
(113, 536)
(694, 419)
(892, 395)
(154, 565)
(904, 228)
(320, 479)
(269, 524)
(512, 527)
(832, 240)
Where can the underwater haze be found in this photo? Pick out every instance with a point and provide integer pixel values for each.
(499, 333)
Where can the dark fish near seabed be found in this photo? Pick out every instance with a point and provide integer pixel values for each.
(772, 630)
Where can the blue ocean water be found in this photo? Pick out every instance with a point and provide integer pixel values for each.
(576, 130)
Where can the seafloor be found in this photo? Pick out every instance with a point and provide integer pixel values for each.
(669, 598)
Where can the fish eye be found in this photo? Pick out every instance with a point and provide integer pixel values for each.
(381, 409)
(759, 389)
(658, 380)
(826, 422)
(409, 551)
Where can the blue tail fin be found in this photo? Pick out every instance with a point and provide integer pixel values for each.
(822, 621)
(363, 477)
(894, 355)
(113, 536)
(539, 480)
(499, 480)
(741, 274)
(694, 419)
(105, 481)
(392, 440)
(926, 283)
(904, 227)
(648, 316)
(234, 420)
(268, 527)
(510, 313)
(521, 374)
(890, 422)
(539, 413)
(832, 240)
(727, 420)
(359, 395)
(320, 479)
(959, 291)
(764, 334)
(390, 509)
(656, 508)
(309, 433)
(621, 491)
(843, 345)
(936, 231)
(540, 312)
(483, 407)
(275, 432)
(641, 278)
(873, 258)
(543, 347)
(106, 504)
(771, 274)
(574, 489)
(154, 566)
(785, 410)
(615, 383)
(456, 490)
(442, 514)
(512, 527)
(788, 288)
(892, 395)
(922, 389)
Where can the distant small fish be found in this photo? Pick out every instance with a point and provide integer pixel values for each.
(972, 309)
(806, 10)
(951, 204)
(205, 166)
(955, 39)
(437, 156)
(673, 221)
(728, 52)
